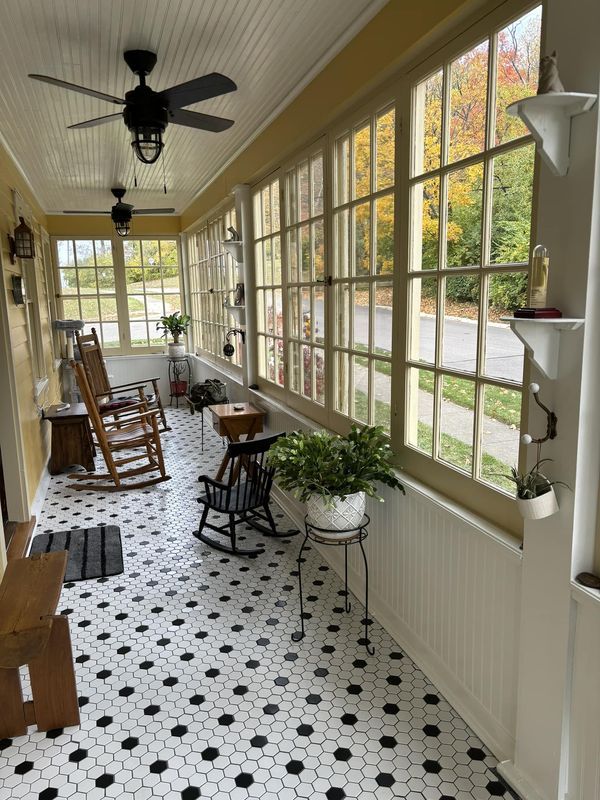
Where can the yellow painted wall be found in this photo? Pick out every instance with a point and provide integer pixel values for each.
(398, 29)
(34, 431)
(90, 225)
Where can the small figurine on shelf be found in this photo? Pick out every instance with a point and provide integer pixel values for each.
(549, 81)
(238, 298)
(538, 288)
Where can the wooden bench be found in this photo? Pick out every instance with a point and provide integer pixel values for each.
(32, 634)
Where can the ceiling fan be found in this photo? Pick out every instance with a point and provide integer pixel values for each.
(147, 113)
(121, 212)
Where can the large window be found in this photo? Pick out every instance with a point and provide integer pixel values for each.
(120, 288)
(152, 280)
(470, 198)
(213, 277)
(363, 267)
(88, 290)
(305, 276)
(269, 283)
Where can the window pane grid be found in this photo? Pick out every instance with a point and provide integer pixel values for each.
(470, 217)
(213, 276)
(86, 277)
(363, 248)
(269, 282)
(305, 259)
(152, 287)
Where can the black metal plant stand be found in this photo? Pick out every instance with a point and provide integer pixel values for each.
(346, 539)
(179, 368)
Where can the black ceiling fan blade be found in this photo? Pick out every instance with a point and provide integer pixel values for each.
(75, 88)
(193, 119)
(153, 211)
(91, 123)
(184, 94)
(70, 211)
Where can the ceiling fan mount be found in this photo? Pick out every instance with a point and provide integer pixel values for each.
(140, 62)
(147, 113)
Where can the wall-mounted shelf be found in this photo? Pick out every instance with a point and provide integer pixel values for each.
(235, 248)
(541, 338)
(548, 117)
(237, 312)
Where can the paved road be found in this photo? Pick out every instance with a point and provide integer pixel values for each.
(504, 352)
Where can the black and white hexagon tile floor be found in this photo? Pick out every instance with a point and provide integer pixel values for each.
(190, 686)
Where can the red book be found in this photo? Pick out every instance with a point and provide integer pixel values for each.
(537, 313)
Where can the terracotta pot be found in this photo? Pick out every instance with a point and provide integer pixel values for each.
(178, 388)
(336, 516)
(544, 505)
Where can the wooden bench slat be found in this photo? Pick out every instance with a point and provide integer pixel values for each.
(29, 595)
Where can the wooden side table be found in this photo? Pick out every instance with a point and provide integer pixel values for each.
(232, 423)
(71, 438)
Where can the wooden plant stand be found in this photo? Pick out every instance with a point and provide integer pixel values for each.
(31, 633)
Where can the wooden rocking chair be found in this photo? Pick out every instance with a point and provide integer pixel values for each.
(135, 429)
(93, 361)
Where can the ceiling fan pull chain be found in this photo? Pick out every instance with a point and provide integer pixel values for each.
(134, 170)
(162, 156)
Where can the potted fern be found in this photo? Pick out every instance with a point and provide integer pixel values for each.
(175, 324)
(334, 474)
(536, 498)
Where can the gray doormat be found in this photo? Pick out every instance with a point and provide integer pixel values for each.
(93, 552)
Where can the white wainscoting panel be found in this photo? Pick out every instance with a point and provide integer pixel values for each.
(447, 586)
(584, 740)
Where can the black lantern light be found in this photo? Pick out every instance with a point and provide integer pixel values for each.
(228, 348)
(24, 246)
(121, 216)
(147, 144)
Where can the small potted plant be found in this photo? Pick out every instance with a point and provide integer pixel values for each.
(536, 498)
(175, 324)
(333, 474)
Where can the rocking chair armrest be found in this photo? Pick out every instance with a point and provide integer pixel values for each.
(212, 483)
(130, 385)
(122, 410)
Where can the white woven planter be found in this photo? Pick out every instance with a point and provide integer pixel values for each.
(539, 507)
(338, 515)
(176, 350)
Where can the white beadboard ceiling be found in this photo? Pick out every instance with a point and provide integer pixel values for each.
(268, 47)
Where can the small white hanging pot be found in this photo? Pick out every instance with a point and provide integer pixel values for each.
(336, 517)
(544, 505)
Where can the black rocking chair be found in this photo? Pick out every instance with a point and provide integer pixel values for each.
(244, 498)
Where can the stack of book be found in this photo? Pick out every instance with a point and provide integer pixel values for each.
(537, 313)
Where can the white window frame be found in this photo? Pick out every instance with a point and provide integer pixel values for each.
(212, 278)
(120, 292)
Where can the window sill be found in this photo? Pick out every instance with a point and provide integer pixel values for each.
(230, 374)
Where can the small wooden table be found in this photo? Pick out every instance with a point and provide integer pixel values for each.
(233, 424)
(71, 438)
(31, 634)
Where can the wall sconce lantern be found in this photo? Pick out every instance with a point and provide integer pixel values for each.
(228, 348)
(22, 245)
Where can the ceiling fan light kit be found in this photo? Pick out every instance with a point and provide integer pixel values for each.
(147, 113)
(121, 212)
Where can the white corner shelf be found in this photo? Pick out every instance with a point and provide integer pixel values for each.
(235, 248)
(548, 117)
(237, 312)
(541, 338)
